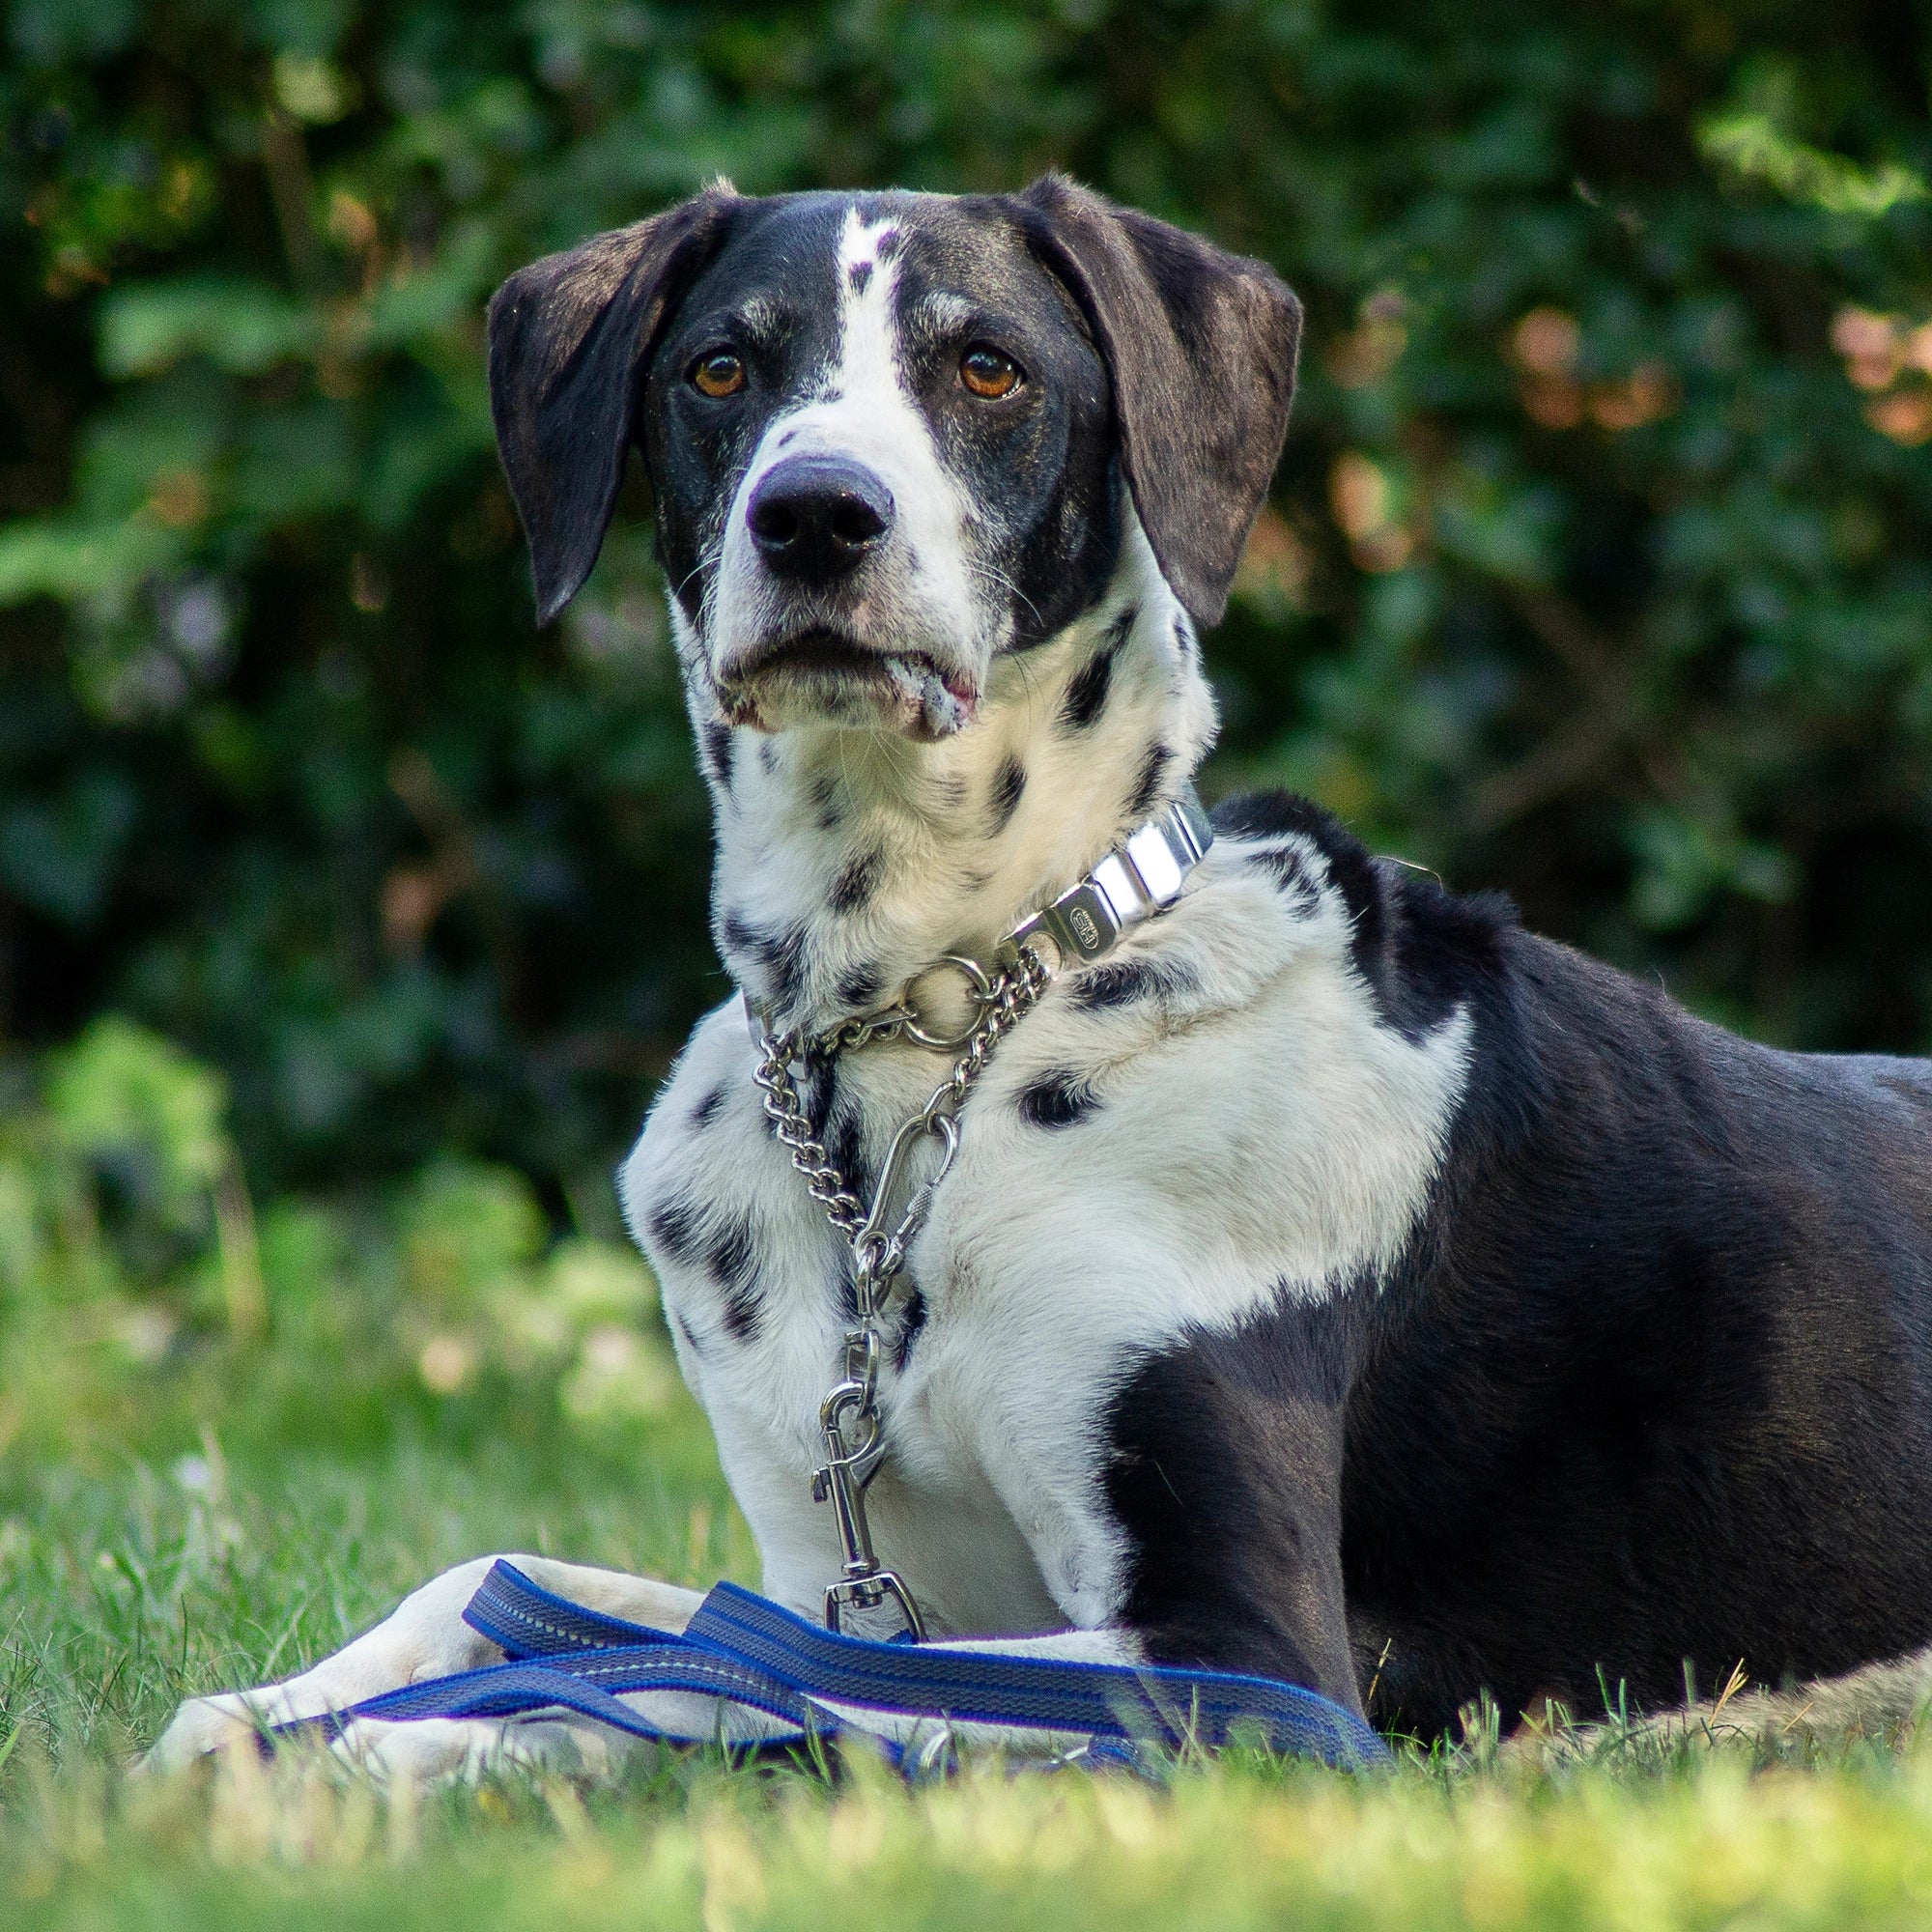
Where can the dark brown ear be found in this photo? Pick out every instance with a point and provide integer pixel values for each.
(570, 337)
(1201, 345)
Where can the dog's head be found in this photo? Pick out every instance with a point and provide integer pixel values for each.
(888, 434)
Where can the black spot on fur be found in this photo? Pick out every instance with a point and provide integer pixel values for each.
(684, 1333)
(857, 880)
(1286, 868)
(1009, 783)
(824, 796)
(858, 985)
(1146, 783)
(1120, 983)
(718, 752)
(1056, 1100)
(781, 956)
(911, 1321)
(844, 1149)
(768, 757)
(734, 1261)
(1087, 690)
(858, 275)
(674, 1227)
(784, 954)
(706, 1110)
(816, 1088)
(1183, 637)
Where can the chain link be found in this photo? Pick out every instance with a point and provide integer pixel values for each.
(849, 1420)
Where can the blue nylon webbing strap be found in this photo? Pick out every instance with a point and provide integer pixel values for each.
(1153, 1703)
(755, 1653)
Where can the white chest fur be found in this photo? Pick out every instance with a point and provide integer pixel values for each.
(1126, 1173)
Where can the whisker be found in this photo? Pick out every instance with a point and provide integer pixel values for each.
(1005, 583)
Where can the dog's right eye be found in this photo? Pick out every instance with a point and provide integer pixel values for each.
(718, 372)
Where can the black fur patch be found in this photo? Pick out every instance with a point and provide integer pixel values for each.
(858, 986)
(706, 1110)
(857, 881)
(674, 1227)
(779, 955)
(843, 1148)
(718, 752)
(1088, 688)
(911, 1321)
(845, 1293)
(1120, 983)
(1266, 814)
(1056, 1100)
(1009, 783)
(824, 796)
(1288, 870)
(1413, 942)
(1146, 783)
(733, 1262)
(817, 1091)
(857, 276)
(1223, 1471)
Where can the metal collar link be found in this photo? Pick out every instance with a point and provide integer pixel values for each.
(1139, 878)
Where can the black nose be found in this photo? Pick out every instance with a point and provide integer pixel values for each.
(814, 517)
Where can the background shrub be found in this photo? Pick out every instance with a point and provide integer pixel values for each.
(1598, 567)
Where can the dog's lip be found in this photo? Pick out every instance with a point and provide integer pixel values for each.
(826, 652)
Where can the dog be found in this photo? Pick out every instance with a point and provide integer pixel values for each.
(1333, 1281)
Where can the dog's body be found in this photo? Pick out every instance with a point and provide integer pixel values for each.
(1334, 1283)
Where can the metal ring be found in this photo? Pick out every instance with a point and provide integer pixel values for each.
(981, 996)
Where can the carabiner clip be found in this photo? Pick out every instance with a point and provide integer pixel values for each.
(942, 1128)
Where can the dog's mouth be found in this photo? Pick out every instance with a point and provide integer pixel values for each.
(827, 675)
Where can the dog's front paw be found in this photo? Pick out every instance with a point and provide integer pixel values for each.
(436, 1751)
(203, 1725)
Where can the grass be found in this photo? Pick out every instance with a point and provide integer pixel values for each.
(226, 1448)
(126, 1586)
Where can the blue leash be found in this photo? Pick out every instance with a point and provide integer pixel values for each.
(751, 1652)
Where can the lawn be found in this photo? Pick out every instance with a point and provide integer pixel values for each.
(231, 1441)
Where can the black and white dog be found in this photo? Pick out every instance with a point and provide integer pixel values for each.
(1335, 1282)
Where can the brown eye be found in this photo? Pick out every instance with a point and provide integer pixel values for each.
(717, 373)
(987, 372)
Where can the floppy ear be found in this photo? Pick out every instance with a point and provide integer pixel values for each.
(570, 337)
(1200, 345)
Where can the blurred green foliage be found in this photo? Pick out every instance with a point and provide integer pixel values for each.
(142, 1300)
(1598, 568)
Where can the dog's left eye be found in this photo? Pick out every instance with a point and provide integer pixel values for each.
(718, 372)
(986, 372)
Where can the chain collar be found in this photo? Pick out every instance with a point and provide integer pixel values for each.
(1139, 878)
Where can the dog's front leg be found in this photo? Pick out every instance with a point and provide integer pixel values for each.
(424, 1636)
(1200, 1517)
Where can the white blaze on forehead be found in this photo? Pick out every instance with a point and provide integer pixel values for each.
(926, 596)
